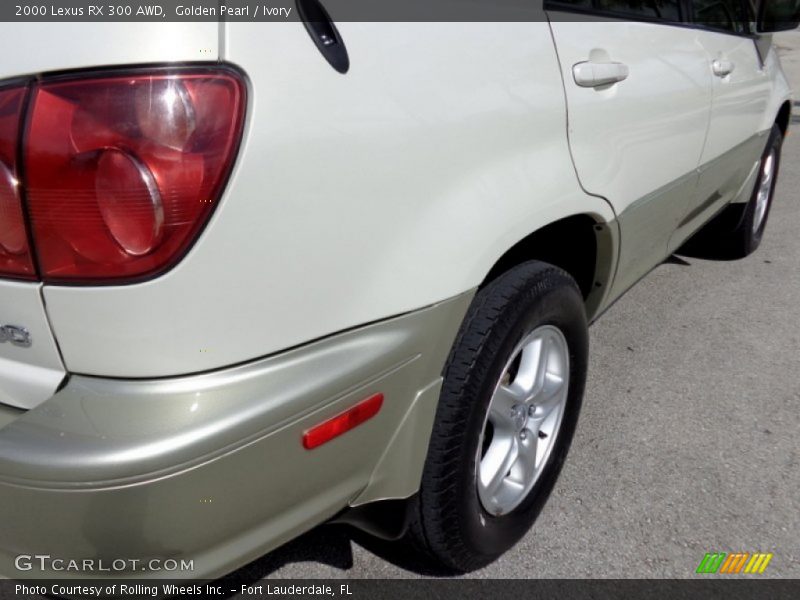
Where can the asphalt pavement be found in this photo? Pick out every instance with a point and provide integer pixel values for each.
(688, 441)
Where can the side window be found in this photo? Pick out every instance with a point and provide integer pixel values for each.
(664, 10)
(582, 4)
(725, 15)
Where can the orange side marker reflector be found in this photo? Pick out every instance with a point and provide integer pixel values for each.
(343, 422)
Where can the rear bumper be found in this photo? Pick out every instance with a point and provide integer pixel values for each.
(210, 468)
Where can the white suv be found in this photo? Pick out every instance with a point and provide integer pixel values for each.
(259, 276)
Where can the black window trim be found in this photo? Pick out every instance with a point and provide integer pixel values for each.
(685, 22)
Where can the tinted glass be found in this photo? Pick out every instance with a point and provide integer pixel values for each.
(778, 15)
(727, 15)
(666, 10)
(585, 4)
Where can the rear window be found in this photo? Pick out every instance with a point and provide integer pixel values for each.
(663, 10)
(725, 15)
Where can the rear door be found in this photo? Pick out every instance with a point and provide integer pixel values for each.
(639, 98)
(741, 92)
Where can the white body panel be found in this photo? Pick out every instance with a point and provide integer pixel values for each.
(40, 47)
(354, 198)
(780, 90)
(744, 104)
(398, 185)
(741, 98)
(636, 136)
(637, 142)
(28, 375)
(740, 101)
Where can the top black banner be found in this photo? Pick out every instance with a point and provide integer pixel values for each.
(291, 10)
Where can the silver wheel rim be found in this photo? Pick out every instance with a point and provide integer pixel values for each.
(523, 420)
(764, 190)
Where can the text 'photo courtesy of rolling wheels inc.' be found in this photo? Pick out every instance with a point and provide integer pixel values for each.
(383, 300)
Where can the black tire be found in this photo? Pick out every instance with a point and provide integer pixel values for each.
(448, 521)
(733, 233)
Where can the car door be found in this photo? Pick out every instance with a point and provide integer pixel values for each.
(741, 91)
(639, 99)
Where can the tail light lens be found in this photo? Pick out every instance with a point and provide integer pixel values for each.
(122, 172)
(15, 256)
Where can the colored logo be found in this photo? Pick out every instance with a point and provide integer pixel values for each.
(734, 563)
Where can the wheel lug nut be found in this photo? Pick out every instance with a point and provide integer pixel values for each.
(532, 410)
(523, 435)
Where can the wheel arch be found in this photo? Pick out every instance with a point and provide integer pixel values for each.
(783, 117)
(582, 245)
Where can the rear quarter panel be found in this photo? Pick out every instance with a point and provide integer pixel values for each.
(354, 197)
(29, 375)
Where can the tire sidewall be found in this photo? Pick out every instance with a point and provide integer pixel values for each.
(755, 237)
(561, 307)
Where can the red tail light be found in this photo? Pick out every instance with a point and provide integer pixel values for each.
(122, 172)
(15, 256)
(119, 173)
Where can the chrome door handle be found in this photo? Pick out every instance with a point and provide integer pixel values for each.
(722, 67)
(594, 74)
